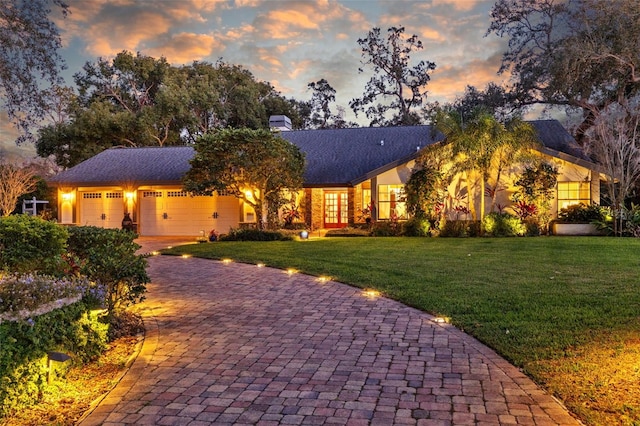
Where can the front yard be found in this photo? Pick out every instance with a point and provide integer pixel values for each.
(566, 310)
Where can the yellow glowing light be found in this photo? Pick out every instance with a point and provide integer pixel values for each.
(260, 265)
(129, 195)
(169, 247)
(155, 253)
(227, 261)
(248, 194)
(186, 256)
(291, 271)
(67, 196)
(441, 320)
(371, 294)
(324, 279)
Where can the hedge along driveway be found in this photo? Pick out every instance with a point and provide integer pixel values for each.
(546, 304)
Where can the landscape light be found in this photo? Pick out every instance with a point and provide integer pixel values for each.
(226, 261)
(54, 359)
(304, 235)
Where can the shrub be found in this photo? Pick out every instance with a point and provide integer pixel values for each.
(416, 227)
(29, 243)
(24, 346)
(386, 229)
(503, 225)
(107, 256)
(255, 235)
(348, 232)
(460, 228)
(580, 213)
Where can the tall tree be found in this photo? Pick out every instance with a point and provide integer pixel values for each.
(402, 87)
(321, 98)
(256, 166)
(29, 59)
(615, 144)
(581, 54)
(483, 147)
(138, 100)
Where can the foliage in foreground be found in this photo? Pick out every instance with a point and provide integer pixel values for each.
(539, 302)
(24, 346)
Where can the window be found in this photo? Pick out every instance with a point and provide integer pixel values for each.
(391, 202)
(570, 193)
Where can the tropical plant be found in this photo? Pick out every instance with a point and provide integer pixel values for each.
(503, 225)
(534, 192)
(581, 213)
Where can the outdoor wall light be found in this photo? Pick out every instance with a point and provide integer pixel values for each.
(304, 235)
(129, 195)
(67, 196)
(54, 360)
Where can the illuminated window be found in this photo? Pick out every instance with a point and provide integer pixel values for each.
(391, 202)
(570, 193)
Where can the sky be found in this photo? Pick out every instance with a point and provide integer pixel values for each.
(286, 43)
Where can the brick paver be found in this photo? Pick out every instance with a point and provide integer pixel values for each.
(239, 344)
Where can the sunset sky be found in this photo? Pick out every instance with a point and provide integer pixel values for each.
(287, 43)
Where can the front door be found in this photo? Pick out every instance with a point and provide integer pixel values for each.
(336, 209)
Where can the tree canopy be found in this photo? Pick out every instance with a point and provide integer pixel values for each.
(255, 166)
(138, 100)
(401, 87)
(29, 59)
(581, 54)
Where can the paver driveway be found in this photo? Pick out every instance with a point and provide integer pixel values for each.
(239, 344)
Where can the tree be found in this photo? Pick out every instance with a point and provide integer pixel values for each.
(423, 194)
(29, 59)
(255, 166)
(483, 148)
(14, 182)
(401, 87)
(137, 100)
(614, 143)
(581, 54)
(323, 95)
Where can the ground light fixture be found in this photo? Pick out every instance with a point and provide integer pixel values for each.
(304, 235)
(260, 265)
(323, 279)
(371, 294)
(186, 256)
(54, 361)
(227, 261)
(291, 271)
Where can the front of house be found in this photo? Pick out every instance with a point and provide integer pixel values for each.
(347, 171)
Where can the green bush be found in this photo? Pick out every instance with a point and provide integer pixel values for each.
(503, 225)
(73, 330)
(348, 232)
(580, 213)
(386, 229)
(108, 257)
(460, 228)
(29, 243)
(255, 235)
(416, 227)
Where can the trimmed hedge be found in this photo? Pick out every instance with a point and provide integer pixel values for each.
(30, 244)
(255, 235)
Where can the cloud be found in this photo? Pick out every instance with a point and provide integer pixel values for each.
(184, 48)
(460, 5)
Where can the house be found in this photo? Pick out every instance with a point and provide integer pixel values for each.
(347, 170)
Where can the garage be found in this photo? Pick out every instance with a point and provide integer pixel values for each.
(177, 213)
(101, 208)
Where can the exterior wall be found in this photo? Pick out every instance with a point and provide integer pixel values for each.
(567, 172)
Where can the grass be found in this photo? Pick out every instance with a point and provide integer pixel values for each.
(566, 310)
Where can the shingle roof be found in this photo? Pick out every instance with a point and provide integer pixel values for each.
(335, 157)
(340, 156)
(115, 166)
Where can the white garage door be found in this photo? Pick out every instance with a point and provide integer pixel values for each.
(101, 208)
(175, 212)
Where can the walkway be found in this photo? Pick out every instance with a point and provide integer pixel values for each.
(239, 344)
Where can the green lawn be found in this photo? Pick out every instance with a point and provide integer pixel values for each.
(547, 304)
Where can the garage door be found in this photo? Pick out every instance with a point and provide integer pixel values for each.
(101, 208)
(170, 212)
